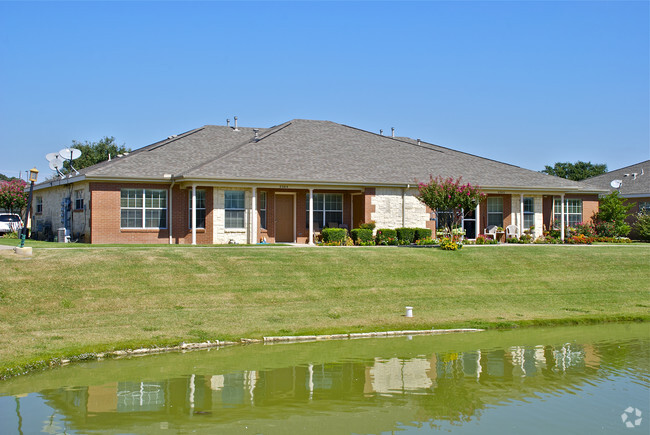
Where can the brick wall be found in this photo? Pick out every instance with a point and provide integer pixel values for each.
(105, 216)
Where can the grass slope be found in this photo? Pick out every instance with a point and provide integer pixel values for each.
(63, 302)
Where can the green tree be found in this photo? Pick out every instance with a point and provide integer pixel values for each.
(575, 171)
(94, 152)
(612, 208)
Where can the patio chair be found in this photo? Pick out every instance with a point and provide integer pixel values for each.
(491, 231)
(511, 231)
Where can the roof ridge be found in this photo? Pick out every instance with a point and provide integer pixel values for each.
(619, 169)
(235, 148)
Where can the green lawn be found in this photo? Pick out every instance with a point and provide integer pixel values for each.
(62, 302)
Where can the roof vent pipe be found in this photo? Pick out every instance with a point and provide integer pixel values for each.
(381, 132)
(257, 136)
(392, 131)
(418, 141)
(227, 122)
(236, 129)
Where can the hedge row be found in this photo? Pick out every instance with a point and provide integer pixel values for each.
(384, 236)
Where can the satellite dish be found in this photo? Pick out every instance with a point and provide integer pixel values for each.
(51, 156)
(56, 164)
(616, 183)
(70, 153)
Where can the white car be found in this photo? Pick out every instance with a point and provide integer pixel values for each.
(10, 222)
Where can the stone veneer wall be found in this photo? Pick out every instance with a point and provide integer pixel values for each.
(395, 208)
(539, 216)
(221, 235)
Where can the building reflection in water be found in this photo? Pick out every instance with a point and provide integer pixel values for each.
(443, 386)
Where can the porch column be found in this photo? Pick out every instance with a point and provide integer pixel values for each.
(478, 219)
(311, 216)
(254, 217)
(562, 217)
(521, 216)
(194, 214)
(170, 213)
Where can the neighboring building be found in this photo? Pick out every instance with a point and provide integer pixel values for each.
(634, 185)
(221, 184)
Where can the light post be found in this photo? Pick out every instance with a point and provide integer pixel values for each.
(33, 175)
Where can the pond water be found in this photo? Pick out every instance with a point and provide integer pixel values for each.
(569, 380)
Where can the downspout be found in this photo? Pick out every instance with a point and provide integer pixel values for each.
(403, 206)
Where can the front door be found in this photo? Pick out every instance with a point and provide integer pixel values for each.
(284, 222)
(469, 225)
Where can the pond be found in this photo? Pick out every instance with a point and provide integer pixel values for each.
(588, 379)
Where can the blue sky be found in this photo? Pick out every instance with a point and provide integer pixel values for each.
(527, 83)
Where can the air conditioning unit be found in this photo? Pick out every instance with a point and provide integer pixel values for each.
(62, 235)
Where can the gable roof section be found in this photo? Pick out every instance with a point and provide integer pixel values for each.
(317, 152)
(631, 186)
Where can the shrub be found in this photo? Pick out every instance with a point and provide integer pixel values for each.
(334, 235)
(362, 235)
(641, 228)
(427, 241)
(605, 229)
(385, 235)
(11, 235)
(368, 226)
(422, 233)
(580, 239)
(480, 240)
(586, 229)
(405, 235)
(449, 245)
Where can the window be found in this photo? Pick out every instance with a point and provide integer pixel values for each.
(572, 212)
(495, 211)
(263, 210)
(529, 212)
(644, 207)
(143, 208)
(39, 204)
(328, 209)
(78, 199)
(445, 219)
(235, 207)
(200, 209)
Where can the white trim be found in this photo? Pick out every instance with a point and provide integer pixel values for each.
(311, 216)
(294, 215)
(194, 214)
(561, 216)
(521, 215)
(253, 238)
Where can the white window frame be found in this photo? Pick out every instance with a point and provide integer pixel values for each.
(493, 199)
(233, 211)
(529, 212)
(139, 201)
(39, 204)
(262, 209)
(200, 209)
(571, 216)
(321, 204)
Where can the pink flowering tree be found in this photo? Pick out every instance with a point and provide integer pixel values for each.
(13, 196)
(452, 195)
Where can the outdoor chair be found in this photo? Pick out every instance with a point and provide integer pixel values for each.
(491, 231)
(511, 231)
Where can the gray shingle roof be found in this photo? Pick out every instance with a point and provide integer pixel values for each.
(632, 185)
(305, 151)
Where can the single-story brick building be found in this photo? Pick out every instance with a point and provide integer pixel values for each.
(221, 184)
(634, 185)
